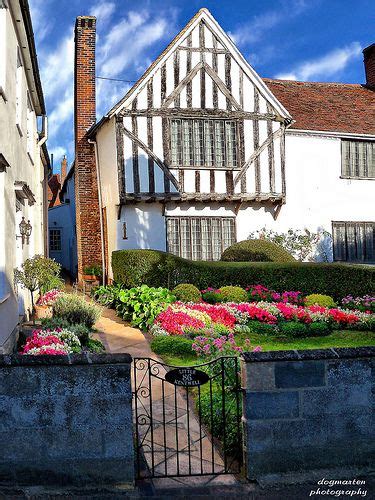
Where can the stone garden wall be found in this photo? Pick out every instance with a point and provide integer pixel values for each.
(310, 410)
(66, 419)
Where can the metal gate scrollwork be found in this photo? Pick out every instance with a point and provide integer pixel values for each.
(187, 419)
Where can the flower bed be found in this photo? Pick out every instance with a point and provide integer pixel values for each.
(213, 320)
(53, 342)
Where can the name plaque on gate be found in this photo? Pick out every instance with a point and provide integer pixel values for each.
(186, 377)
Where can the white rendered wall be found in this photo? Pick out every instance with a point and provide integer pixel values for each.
(23, 167)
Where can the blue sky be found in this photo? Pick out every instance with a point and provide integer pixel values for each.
(315, 40)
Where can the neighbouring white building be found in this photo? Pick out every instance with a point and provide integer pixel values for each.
(24, 162)
(203, 151)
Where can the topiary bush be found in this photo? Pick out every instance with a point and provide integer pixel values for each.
(232, 294)
(156, 269)
(187, 292)
(76, 310)
(262, 328)
(293, 329)
(317, 329)
(317, 299)
(172, 345)
(256, 251)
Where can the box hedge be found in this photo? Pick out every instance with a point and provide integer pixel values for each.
(155, 268)
(256, 251)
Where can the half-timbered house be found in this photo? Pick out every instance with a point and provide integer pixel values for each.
(201, 151)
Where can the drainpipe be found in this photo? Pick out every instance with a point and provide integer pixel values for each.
(100, 206)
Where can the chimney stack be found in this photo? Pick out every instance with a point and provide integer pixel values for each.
(86, 182)
(369, 61)
(63, 169)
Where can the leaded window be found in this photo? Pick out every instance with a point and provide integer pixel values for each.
(55, 240)
(200, 238)
(204, 143)
(358, 159)
(354, 241)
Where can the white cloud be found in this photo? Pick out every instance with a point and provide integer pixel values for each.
(58, 152)
(325, 66)
(103, 11)
(41, 28)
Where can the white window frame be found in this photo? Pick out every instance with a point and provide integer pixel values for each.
(182, 232)
(357, 159)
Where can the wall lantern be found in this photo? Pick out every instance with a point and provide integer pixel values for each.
(25, 230)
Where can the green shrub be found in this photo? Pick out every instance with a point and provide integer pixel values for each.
(262, 328)
(317, 299)
(141, 305)
(293, 329)
(317, 329)
(256, 251)
(156, 269)
(93, 269)
(187, 293)
(94, 345)
(212, 296)
(81, 330)
(233, 294)
(76, 310)
(174, 345)
(107, 295)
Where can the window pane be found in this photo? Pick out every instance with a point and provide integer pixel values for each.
(219, 144)
(198, 143)
(55, 240)
(187, 143)
(209, 140)
(196, 239)
(230, 136)
(216, 239)
(358, 159)
(369, 230)
(175, 144)
(228, 233)
(173, 236)
(206, 240)
(185, 250)
(339, 241)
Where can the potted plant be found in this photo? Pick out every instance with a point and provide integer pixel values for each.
(35, 273)
(92, 272)
(44, 305)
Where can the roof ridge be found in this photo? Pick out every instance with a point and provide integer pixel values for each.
(300, 82)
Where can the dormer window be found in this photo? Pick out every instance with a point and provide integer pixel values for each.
(204, 143)
(357, 159)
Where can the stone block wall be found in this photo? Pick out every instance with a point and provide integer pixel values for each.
(307, 411)
(66, 419)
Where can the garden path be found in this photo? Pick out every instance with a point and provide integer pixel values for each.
(118, 336)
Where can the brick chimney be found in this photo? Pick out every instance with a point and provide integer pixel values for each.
(64, 163)
(369, 60)
(86, 184)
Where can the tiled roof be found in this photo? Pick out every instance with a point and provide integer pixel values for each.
(333, 107)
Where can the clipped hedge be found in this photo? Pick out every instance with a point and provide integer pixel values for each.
(155, 268)
(256, 251)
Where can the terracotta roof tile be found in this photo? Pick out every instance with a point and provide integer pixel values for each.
(334, 107)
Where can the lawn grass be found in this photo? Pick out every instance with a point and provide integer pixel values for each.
(338, 338)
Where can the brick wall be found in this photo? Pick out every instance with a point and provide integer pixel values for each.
(307, 411)
(66, 419)
(369, 60)
(86, 183)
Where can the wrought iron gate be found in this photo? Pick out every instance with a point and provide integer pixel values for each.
(187, 419)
